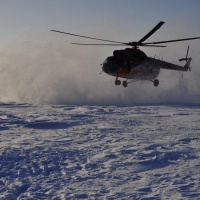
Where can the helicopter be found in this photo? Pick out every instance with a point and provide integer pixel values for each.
(132, 63)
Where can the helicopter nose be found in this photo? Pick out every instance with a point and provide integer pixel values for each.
(109, 68)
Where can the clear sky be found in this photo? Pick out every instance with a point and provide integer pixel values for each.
(122, 18)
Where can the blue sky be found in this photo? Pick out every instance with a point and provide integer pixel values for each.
(123, 18)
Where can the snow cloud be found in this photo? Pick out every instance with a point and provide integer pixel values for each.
(47, 69)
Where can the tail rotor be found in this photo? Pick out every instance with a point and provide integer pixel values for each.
(186, 58)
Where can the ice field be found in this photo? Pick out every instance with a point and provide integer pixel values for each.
(99, 152)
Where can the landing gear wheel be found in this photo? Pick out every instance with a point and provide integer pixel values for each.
(117, 82)
(156, 82)
(125, 84)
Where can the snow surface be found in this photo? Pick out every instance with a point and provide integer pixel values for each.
(99, 152)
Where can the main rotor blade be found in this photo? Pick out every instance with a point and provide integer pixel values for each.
(151, 32)
(102, 44)
(143, 45)
(146, 45)
(88, 37)
(168, 41)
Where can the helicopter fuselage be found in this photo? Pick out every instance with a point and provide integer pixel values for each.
(131, 70)
(131, 64)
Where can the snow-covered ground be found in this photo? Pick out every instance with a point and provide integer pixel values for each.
(99, 152)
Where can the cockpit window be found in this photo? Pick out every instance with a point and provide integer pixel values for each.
(113, 60)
